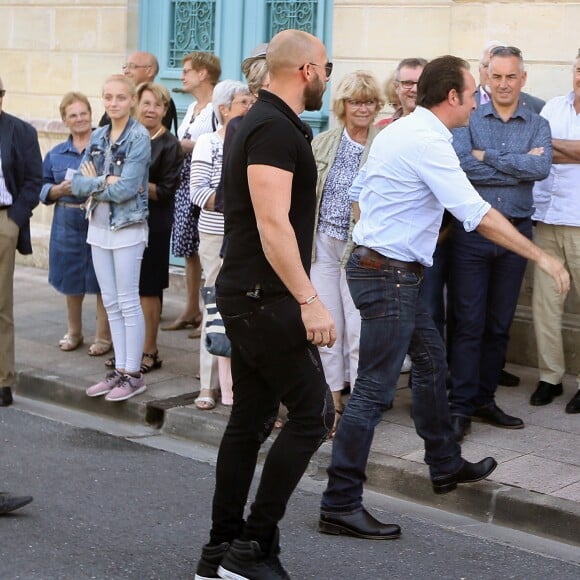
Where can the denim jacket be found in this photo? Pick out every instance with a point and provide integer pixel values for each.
(130, 158)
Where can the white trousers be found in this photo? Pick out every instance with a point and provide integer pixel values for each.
(214, 371)
(118, 275)
(328, 277)
(563, 242)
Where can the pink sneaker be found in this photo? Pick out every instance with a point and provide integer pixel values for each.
(127, 387)
(105, 386)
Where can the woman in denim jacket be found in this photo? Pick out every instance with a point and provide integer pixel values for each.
(114, 174)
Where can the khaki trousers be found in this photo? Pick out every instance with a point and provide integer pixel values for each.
(8, 238)
(562, 242)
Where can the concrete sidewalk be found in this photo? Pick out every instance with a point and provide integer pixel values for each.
(536, 487)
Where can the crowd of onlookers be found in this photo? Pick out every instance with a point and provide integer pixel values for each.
(128, 192)
(369, 196)
(524, 164)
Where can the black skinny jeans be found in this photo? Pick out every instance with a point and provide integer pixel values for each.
(271, 362)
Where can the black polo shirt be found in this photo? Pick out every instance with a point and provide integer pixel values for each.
(270, 134)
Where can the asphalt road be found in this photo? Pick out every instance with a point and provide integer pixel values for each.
(115, 507)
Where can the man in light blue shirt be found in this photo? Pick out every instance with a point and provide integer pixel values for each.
(505, 149)
(412, 173)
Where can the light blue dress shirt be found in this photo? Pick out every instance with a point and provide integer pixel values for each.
(411, 175)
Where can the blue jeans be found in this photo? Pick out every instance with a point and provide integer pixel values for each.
(486, 284)
(394, 321)
(435, 281)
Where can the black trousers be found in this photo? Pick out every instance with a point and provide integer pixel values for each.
(271, 363)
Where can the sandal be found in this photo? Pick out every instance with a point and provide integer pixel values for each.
(110, 363)
(100, 347)
(70, 342)
(195, 333)
(207, 402)
(150, 362)
(181, 324)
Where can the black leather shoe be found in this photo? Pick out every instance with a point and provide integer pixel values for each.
(359, 524)
(493, 415)
(461, 426)
(469, 473)
(9, 503)
(545, 393)
(5, 396)
(574, 405)
(508, 380)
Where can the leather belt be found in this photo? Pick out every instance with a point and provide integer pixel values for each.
(70, 205)
(3, 207)
(375, 261)
(517, 221)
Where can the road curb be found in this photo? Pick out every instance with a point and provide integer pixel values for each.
(70, 391)
(505, 505)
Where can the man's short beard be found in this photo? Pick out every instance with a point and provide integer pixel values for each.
(313, 95)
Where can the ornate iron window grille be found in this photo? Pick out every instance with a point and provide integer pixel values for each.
(300, 14)
(192, 28)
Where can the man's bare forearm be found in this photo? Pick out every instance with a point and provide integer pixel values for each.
(566, 150)
(281, 250)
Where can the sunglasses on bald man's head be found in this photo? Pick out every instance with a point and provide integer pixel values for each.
(506, 51)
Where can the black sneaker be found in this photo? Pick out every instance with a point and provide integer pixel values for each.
(211, 558)
(246, 561)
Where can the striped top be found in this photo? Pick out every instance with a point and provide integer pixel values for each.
(206, 171)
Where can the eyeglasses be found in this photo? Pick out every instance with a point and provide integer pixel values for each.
(186, 70)
(506, 51)
(408, 84)
(2, 93)
(355, 104)
(133, 66)
(327, 67)
(246, 102)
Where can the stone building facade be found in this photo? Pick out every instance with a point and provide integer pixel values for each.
(48, 47)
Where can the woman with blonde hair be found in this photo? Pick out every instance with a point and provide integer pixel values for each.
(339, 154)
(114, 174)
